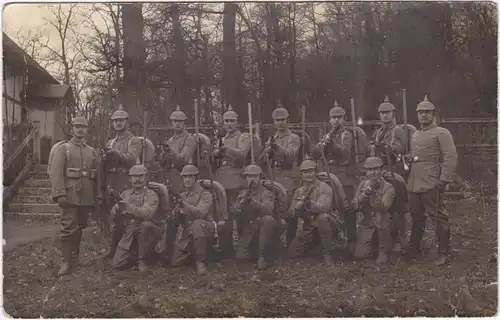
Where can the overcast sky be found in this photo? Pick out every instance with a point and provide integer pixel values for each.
(16, 16)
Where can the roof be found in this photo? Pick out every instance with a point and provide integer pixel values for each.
(51, 90)
(16, 56)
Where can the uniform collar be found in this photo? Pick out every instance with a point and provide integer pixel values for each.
(388, 126)
(77, 142)
(230, 135)
(124, 135)
(284, 134)
(431, 126)
(182, 134)
(195, 190)
(141, 191)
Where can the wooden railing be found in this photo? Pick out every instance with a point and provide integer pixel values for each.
(16, 157)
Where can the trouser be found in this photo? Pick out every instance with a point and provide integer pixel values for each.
(196, 238)
(379, 225)
(170, 230)
(138, 242)
(311, 235)
(430, 203)
(117, 227)
(225, 232)
(73, 221)
(291, 222)
(255, 238)
(399, 228)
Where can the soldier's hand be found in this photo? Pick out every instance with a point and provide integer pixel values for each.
(123, 206)
(300, 205)
(441, 185)
(63, 202)
(112, 154)
(217, 152)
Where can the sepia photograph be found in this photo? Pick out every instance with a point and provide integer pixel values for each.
(250, 159)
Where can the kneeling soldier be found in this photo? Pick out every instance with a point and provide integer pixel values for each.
(193, 211)
(256, 222)
(374, 197)
(142, 222)
(312, 203)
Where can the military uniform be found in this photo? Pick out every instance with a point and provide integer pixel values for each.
(198, 228)
(284, 164)
(337, 146)
(434, 161)
(143, 225)
(75, 186)
(125, 151)
(232, 162)
(320, 224)
(257, 224)
(374, 199)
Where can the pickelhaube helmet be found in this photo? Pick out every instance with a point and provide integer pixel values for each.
(252, 169)
(189, 170)
(336, 110)
(80, 120)
(230, 114)
(280, 113)
(138, 170)
(178, 115)
(386, 106)
(373, 162)
(425, 105)
(307, 164)
(119, 114)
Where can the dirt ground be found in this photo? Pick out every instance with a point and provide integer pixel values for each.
(301, 288)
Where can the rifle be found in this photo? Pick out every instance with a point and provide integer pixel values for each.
(303, 212)
(218, 144)
(338, 219)
(197, 131)
(176, 198)
(244, 198)
(214, 199)
(269, 148)
(355, 132)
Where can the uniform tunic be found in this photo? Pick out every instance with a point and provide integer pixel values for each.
(389, 135)
(74, 175)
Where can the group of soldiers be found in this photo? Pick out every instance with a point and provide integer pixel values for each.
(229, 204)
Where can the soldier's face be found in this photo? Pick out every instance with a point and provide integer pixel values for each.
(253, 177)
(336, 120)
(386, 116)
(120, 124)
(138, 181)
(425, 116)
(178, 125)
(374, 173)
(308, 175)
(230, 125)
(188, 181)
(80, 130)
(280, 124)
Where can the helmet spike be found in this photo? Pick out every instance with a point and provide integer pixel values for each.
(178, 108)
(230, 108)
(335, 104)
(425, 98)
(386, 98)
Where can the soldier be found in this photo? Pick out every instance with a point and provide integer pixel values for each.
(122, 153)
(180, 149)
(312, 202)
(193, 211)
(434, 160)
(142, 221)
(389, 140)
(374, 197)
(255, 216)
(231, 157)
(74, 179)
(337, 146)
(282, 151)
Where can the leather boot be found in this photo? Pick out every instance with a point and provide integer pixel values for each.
(143, 266)
(67, 250)
(382, 258)
(328, 259)
(115, 239)
(261, 263)
(442, 259)
(76, 251)
(201, 269)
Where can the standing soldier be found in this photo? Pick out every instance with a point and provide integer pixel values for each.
(256, 221)
(74, 179)
(282, 151)
(179, 150)
(231, 157)
(389, 141)
(312, 202)
(122, 153)
(337, 147)
(374, 197)
(193, 211)
(142, 222)
(434, 160)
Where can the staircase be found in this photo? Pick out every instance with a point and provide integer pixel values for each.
(34, 197)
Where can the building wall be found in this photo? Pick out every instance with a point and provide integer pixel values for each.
(13, 86)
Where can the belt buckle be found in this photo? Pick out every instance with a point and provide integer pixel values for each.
(331, 161)
(85, 173)
(224, 163)
(277, 164)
